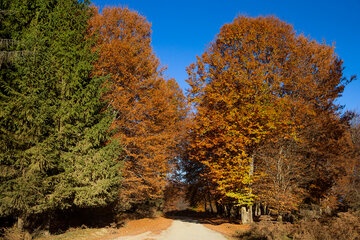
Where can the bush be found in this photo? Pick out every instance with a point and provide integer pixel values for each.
(345, 226)
(14, 233)
(268, 231)
(310, 230)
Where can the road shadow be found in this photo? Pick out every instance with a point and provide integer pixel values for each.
(199, 217)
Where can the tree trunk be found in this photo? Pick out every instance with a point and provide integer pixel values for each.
(205, 203)
(47, 225)
(20, 223)
(257, 210)
(233, 213)
(238, 214)
(265, 210)
(219, 209)
(246, 215)
(211, 207)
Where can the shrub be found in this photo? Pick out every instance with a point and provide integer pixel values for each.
(345, 226)
(14, 233)
(268, 231)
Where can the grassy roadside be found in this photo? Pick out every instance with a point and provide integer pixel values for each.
(131, 227)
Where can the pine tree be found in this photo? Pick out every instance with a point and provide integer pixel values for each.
(56, 146)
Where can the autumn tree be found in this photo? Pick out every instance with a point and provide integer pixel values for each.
(310, 160)
(284, 174)
(257, 83)
(352, 193)
(340, 170)
(149, 108)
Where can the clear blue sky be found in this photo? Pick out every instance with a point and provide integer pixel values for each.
(182, 29)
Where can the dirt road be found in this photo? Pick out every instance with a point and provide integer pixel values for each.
(179, 230)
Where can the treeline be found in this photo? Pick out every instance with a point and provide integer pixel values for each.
(89, 121)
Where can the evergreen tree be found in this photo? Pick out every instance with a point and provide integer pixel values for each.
(56, 150)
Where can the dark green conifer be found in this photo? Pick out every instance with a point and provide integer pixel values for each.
(56, 151)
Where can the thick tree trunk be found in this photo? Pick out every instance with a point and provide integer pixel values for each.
(246, 215)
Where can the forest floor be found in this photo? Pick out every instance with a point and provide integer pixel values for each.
(174, 226)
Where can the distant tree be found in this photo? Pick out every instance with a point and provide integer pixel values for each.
(149, 109)
(56, 151)
(284, 174)
(258, 83)
(346, 180)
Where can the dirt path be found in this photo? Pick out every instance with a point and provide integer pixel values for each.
(179, 230)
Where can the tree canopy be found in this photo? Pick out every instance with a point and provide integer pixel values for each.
(149, 109)
(259, 84)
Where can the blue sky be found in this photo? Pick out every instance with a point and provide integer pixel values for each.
(182, 29)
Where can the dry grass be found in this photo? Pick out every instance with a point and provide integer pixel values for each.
(229, 230)
(344, 226)
(14, 233)
(131, 227)
(135, 227)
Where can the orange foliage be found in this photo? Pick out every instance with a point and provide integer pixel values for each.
(258, 83)
(150, 110)
(330, 155)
